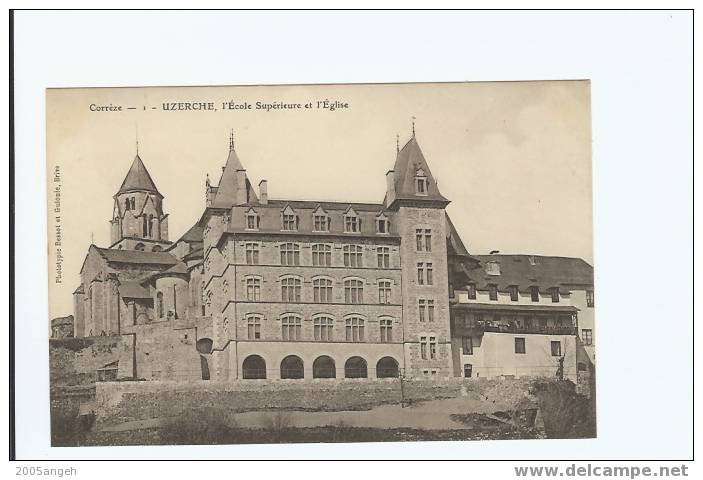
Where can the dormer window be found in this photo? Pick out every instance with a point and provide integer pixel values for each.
(382, 224)
(352, 222)
(252, 220)
(421, 182)
(289, 220)
(320, 220)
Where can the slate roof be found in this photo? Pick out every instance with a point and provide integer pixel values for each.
(133, 290)
(532, 270)
(136, 256)
(312, 204)
(227, 188)
(407, 162)
(138, 179)
(194, 234)
(454, 240)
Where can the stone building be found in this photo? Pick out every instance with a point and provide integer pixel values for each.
(262, 287)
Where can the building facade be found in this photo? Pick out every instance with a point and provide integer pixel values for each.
(267, 288)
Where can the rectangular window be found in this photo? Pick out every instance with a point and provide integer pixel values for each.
(252, 223)
(383, 255)
(428, 272)
(353, 256)
(382, 226)
(253, 289)
(587, 336)
(471, 290)
(467, 345)
(289, 222)
(433, 348)
(422, 306)
(253, 328)
(590, 299)
(418, 240)
(421, 185)
(423, 348)
(386, 330)
(353, 291)
(291, 328)
(555, 295)
(321, 255)
(252, 253)
(352, 224)
(321, 223)
(493, 292)
(420, 274)
(556, 348)
(428, 240)
(384, 291)
(430, 310)
(290, 254)
(513, 293)
(322, 290)
(534, 293)
(290, 290)
(519, 345)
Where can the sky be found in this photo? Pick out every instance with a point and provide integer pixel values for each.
(514, 158)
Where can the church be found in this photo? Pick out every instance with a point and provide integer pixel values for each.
(267, 288)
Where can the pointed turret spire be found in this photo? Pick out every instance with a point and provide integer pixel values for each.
(231, 140)
(138, 179)
(234, 187)
(397, 143)
(413, 127)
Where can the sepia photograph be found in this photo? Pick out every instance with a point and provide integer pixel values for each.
(320, 263)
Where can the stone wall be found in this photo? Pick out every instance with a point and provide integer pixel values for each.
(118, 402)
(74, 361)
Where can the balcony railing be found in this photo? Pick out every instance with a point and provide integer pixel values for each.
(481, 327)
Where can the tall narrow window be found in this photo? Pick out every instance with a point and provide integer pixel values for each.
(253, 287)
(418, 240)
(420, 273)
(144, 226)
(422, 307)
(556, 348)
(321, 255)
(322, 290)
(519, 345)
(513, 293)
(382, 225)
(493, 292)
(428, 240)
(433, 348)
(587, 336)
(383, 255)
(131, 202)
(322, 327)
(471, 290)
(151, 226)
(555, 295)
(384, 291)
(352, 256)
(590, 298)
(534, 293)
(159, 305)
(252, 220)
(291, 327)
(428, 272)
(290, 254)
(354, 327)
(253, 327)
(430, 310)
(353, 291)
(290, 289)
(423, 348)
(467, 345)
(386, 330)
(252, 253)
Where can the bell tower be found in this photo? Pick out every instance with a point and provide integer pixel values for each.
(138, 220)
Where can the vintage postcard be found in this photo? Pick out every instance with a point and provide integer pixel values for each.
(320, 263)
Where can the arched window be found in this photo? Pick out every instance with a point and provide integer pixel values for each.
(160, 305)
(157, 248)
(254, 367)
(387, 367)
(290, 254)
(353, 256)
(126, 204)
(322, 325)
(354, 329)
(353, 291)
(291, 326)
(151, 226)
(131, 203)
(322, 290)
(324, 367)
(292, 367)
(139, 247)
(355, 367)
(321, 255)
(253, 288)
(145, 227)
(290, 289)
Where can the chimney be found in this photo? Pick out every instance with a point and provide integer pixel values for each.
(263, 192)
(390, 187)
(241, 187)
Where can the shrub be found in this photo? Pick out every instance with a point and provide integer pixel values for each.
(565, 413)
